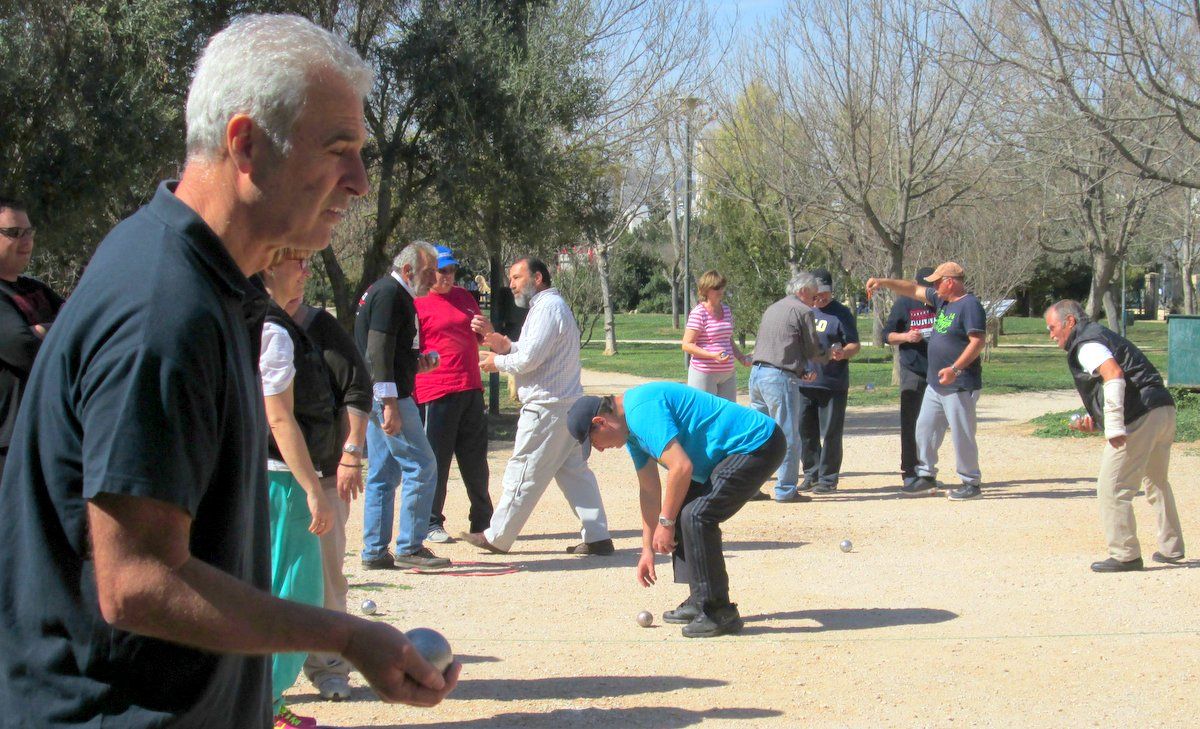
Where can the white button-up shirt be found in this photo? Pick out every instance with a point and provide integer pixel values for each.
(545, 360)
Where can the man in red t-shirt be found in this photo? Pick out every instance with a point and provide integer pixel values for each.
(451, 396)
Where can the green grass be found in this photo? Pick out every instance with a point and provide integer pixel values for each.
(1187, 424)
(1008, 370)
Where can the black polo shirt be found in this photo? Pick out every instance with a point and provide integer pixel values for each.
(388, 309)
(147, 386)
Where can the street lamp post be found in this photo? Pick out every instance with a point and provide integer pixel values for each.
(688, 105)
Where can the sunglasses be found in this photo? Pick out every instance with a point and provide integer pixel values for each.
(16, 233)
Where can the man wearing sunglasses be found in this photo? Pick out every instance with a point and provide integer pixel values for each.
(27, 309)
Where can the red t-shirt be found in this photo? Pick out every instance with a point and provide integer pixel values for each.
(446, 328)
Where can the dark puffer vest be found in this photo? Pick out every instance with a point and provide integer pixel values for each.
(1144, 389)
(312, 395)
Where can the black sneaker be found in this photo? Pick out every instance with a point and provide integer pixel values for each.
(384, 561)
(682, 615)
(423, 559)
(966, 492)
(919, 486)
(601, 547)
(720, 622)
(825, 488)
(760, 496)
(805, 485)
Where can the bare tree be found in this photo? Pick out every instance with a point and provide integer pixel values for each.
(785, 191)
(644, 54)
(887, 101)
(1076, 45)
(1094, 199)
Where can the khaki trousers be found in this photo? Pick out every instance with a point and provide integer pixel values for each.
(1142, 462)
(333, 550)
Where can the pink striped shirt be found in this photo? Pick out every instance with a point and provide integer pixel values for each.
(712, 335)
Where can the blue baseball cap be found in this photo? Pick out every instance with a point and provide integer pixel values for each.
(445, 257)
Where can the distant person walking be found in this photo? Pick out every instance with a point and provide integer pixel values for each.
(708, 338)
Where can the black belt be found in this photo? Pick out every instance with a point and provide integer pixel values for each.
(774, 367)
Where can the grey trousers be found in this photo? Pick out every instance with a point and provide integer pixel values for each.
(721, 384)
(944, 408)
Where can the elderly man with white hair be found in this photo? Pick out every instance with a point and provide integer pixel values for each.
(134, 583)
(784, 350)
(386, 332)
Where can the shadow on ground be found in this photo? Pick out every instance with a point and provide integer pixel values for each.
(843, 619)
(569, 688)
(658, 717)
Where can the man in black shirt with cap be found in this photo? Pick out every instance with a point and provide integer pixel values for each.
(909, 326)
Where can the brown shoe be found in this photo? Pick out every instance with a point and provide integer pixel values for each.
(477, 539)
(602, 547)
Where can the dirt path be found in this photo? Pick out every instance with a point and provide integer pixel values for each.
(981, 613)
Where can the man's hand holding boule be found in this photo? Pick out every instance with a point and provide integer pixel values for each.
(394, 668)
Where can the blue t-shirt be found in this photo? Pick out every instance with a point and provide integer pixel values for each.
(707, 427)
(146, 386)
(835, 324)
(954, 321)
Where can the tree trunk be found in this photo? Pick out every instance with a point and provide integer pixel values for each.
(1187, 268)
(610, 319)
(1103, 266)
(674, 279)
(793, 254)
(1112, 309)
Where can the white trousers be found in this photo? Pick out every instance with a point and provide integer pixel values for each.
(544, 449)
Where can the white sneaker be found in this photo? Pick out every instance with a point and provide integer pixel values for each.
(334, 688)
(439, 535)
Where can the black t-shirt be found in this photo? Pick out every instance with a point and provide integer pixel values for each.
(954, 321)
(388, 309)
(347, 375)
(835, 324)
(147, 386)
(911, 315)
(23, 303)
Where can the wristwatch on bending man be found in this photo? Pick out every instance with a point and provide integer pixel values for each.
(664, 521)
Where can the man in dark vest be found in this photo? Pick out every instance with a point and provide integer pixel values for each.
(27, 309)
(1125, 396)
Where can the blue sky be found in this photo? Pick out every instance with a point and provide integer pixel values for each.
(747, 12)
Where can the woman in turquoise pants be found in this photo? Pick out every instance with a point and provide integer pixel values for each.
(302, 414)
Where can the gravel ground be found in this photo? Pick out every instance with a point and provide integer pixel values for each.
(981, 613)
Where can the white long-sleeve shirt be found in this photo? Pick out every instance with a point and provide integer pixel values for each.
(545, 360)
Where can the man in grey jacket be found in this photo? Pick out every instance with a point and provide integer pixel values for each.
(786, 344)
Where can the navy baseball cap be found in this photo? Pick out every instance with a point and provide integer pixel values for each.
(445, 257)
(824, 279)
(923, 274)
(579, 421)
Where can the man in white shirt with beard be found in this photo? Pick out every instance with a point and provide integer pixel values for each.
(545, 364)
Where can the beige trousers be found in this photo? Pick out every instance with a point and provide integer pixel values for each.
(319, 666)
(1142, 462)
